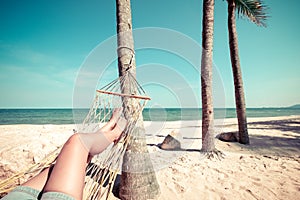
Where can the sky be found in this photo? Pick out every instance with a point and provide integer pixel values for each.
(47, 46)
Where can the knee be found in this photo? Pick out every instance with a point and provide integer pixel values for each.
(79, 141)
(73, 140)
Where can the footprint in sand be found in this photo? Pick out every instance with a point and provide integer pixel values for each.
(283, 166)
(221, 173)
(174, 170)
(254, 178)
(179, 188)
(257, 184)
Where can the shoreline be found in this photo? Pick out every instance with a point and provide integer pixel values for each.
(266, 169)
(69, 116)
(216, 119)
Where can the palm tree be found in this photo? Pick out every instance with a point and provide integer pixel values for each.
(255, 11)
(208, 138)
(138, 179)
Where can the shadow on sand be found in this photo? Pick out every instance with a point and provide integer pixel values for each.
(292, 125)
(178, 149)
(286, 145)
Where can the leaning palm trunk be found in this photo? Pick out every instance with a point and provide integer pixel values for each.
(138, 179)
(237, 75)
(208, 137)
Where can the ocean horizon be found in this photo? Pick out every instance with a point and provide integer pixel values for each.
(71, 116)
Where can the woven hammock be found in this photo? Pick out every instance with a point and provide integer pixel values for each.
(101, 173)
(123, 92)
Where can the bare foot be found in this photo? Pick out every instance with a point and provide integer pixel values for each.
(117, 131)
(117, 112)
(96, 142)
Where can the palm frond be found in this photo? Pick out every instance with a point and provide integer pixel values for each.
(254, 10)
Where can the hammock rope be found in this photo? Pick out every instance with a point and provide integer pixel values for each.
(106, 166)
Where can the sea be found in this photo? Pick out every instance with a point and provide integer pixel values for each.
(71, 116)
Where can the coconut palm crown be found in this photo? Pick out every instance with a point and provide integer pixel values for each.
(254, 10)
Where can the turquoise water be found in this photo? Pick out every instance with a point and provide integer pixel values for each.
(65, 116)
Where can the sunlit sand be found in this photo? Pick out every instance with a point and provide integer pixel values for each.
(269, 168)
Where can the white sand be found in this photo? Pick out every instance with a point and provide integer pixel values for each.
(267, 169)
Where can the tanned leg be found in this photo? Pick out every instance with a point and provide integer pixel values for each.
(38, 182)
(69, 171)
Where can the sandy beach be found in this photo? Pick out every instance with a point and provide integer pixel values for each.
(269, 168)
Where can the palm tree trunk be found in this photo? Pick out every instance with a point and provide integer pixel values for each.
(208, 138)
(138, 179)
(237, 75)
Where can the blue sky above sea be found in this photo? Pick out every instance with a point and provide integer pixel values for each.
(44, 44)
